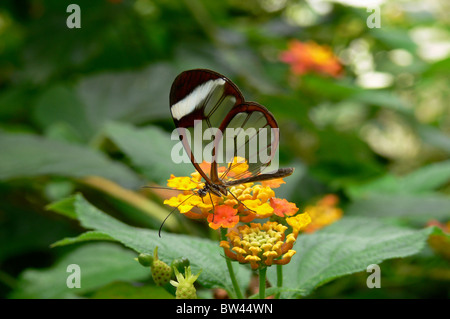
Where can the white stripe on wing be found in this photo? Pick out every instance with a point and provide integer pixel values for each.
(193, 99)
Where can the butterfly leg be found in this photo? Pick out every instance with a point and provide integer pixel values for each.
(210, 197)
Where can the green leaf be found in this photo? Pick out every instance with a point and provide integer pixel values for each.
(132, 96)
(343, 158)
(288, 106)
(418, 208)
(441, 67)
(203, 253)
(100, 264)
(87, 236)
(424, 179)
(394, 38)
(382, 98)
(28, 156)
(432, 136)
(13, 102)
(23, 230)
(49, 110)
(149, 149)
(427, 178)
(291, 188)
(336, 90)
(344, 248)
(64, 207)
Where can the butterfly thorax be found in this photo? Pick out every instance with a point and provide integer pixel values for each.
(218, 190)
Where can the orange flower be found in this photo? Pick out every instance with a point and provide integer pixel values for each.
(282, 207)
(273, 183)
(311, 57)
(440, 243)
(445, 227)
(328, 200)
(323, 213)
(224, 216)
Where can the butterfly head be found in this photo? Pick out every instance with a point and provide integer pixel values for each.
(216, 189)
(202, 192)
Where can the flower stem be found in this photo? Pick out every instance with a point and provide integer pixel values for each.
(237, 290)
(279, 280)
(262, 282)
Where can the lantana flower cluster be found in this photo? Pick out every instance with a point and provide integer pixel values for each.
(258, 244)
(323, 213)
(264, 244)
(307, 57)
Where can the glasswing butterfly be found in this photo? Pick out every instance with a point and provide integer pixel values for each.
(206, 102)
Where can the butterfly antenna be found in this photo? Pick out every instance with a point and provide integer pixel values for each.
(166, 188)
(171, 188)
(162, 224)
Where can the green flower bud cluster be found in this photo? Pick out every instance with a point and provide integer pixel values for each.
(185, 284)
(161, 272)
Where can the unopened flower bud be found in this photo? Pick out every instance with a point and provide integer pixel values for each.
(161, 272)
(185, 285)
(145, 259)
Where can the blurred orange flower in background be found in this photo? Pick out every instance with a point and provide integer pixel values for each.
(323, 213)
(306, 57)
(440, 243)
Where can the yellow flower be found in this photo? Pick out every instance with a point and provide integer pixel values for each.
(298, 222)
(183, 202)
(261, 209)
(263, 193)
(260, 245)
(238, 166)
(184, 183)
(323, 213)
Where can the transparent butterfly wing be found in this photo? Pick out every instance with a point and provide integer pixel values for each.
(249, 143)
(216, 125)
(199, 101)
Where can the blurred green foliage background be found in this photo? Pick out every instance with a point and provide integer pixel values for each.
(94, 102)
